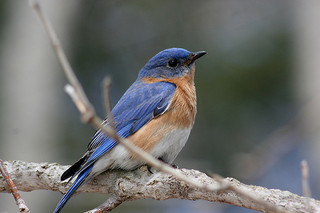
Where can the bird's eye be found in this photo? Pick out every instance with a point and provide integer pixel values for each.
(173, 63)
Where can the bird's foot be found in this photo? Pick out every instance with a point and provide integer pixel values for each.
(172, 165)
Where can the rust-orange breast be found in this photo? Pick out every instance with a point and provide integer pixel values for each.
(179, 115)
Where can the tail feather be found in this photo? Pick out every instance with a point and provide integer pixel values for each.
(73, 169)
(76, 184)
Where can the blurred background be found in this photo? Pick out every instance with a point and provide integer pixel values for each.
(258, 87)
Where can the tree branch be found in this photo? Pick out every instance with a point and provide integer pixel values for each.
(140, 184)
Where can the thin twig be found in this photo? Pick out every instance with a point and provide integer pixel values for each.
(106, 85)
(305, 177)
(85, 108)
(14, 191)
(305, 183)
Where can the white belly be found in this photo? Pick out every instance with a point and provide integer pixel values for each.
(170, 146)
(119, 158)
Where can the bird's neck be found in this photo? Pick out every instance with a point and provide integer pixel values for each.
(184, 102)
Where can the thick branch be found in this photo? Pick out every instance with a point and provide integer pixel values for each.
(141, 184)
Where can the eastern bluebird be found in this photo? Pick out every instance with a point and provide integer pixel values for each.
(156, 114)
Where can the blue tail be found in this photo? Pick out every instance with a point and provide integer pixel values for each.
(76, 184)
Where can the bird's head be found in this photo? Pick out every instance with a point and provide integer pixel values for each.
(170, 63)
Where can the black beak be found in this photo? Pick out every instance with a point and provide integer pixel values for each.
(195, 56)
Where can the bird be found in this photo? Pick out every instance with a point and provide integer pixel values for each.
(156, 114)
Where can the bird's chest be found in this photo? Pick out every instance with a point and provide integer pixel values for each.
(171, 144)
(183, 108)
(177, 123)
(165, 135)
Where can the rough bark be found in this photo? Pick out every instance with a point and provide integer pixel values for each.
(140, 184)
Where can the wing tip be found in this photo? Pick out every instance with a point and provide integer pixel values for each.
(73, 169)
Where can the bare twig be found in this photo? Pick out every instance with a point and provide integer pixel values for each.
(14, 191)
(85, 107)
(106, 85)
(305, 183)
(305, 177)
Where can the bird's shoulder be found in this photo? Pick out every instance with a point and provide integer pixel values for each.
(139, 104)
(142, 98)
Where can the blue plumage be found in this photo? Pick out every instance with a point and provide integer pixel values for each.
(136, 107)
(141, 103)
(157, 66)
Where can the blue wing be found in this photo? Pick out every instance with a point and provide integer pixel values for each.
(141, 103)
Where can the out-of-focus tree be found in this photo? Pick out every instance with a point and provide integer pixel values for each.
(31, 90)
